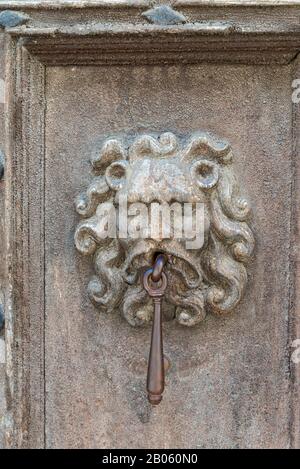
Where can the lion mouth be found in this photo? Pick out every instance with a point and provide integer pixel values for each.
(182, 264)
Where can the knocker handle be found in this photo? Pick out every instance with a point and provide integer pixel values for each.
(156, 371)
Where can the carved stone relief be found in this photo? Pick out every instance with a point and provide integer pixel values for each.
(167, 169)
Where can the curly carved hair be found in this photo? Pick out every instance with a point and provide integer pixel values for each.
(212, 278)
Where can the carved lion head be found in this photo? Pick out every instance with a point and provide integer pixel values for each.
(194, 170)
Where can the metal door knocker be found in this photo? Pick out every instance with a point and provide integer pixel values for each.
(155, 283)
(163, 217)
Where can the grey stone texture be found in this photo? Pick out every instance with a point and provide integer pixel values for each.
(77, 375)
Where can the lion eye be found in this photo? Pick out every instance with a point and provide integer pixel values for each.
(206, 173)
(115, 174)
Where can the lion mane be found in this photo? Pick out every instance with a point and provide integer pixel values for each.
(199, 167)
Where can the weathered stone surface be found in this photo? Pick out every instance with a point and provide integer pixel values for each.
(166, 170)
(2, 251)
(1, 165)
(2, 393)
(231, 371)
(164, 15)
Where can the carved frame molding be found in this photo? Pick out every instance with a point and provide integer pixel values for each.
(222, 33)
